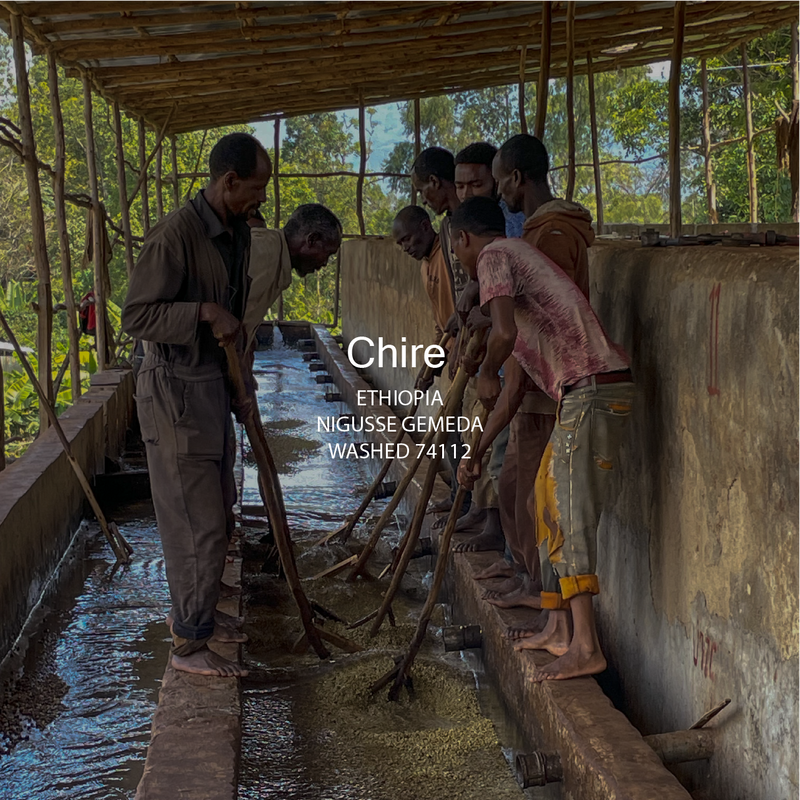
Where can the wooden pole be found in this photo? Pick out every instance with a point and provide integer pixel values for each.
(523, 117)
(44, 297)
(176, 187)
(143, 167)
(160, 181)
(98, 248)
(598, 185)
(196, 167)
(362, 145)
(543, 85)
(336, 287)
(143, 170)
(795, 62)
(570, 100)
(121, 548)
(675, 120)
(59, 204)
(276, 184)
(417, 142)
(122, 182)
(748, 127)
(711, 189)
(2, 420)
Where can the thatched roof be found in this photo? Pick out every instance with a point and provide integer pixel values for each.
(219, 63)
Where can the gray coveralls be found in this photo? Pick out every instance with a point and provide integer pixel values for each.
(183, 401)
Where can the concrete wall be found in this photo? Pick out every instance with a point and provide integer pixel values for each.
(41, 502)
(699, 549)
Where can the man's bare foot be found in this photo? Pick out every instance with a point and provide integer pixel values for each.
(499, 569)
(473, 517)
(576, 662)
(508, 586)
(481, 542)
(206, 662)
(522, 597)
(555, 638)
(525, 631)
(226, 590)
(441, 506)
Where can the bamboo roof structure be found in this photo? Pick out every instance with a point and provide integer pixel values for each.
(195, 65)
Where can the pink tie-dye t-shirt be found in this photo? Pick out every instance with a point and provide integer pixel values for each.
(559, 338)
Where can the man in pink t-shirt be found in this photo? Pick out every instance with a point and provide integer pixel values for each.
(546, 333)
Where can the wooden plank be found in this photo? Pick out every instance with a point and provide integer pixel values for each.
(752, 185)
(542, 89)
(97, 234)
(362, 149)
(122, 183)
(60, 209)
(675, 120)
(44, 296)
(570, 100)
(143, 168)
(598, 186)
(711, 189)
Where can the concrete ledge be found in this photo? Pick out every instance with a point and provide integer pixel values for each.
(602, 754)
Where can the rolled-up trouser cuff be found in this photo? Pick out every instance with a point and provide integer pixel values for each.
(205, 631)
(185, 647)
(553, 600)
(579, 584)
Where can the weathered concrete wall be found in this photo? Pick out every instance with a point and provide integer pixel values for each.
(41, 501)
(699, 549)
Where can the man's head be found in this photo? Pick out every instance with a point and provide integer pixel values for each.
(433, 176)
(412, 230)
(474, 171)
(240, 170)
(520, 161)
(313, 234)
(474, 224)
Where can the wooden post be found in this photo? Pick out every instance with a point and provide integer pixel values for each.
(417, 142)
(98, 248)
(159, 181)
(44, 296)
(598, 186)
(145, 184)
(543, 85)
(122, 182)
(795, 60)
(63, 236)
(711, 189)
(2, 420)
(276, 184)
(570, 100)
(176, 188)
(748, 127)
(523, 118)
(362, 145)
(675, 120)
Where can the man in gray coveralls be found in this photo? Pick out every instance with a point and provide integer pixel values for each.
(186, 300)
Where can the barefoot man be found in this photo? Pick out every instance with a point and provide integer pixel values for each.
(543, 322)
(186, 299)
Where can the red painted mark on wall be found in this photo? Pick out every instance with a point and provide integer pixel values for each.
(713, 342)
(703, 654)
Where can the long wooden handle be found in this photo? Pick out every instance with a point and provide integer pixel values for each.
(273, 499)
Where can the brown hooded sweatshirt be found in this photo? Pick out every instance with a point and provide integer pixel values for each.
(563, 232)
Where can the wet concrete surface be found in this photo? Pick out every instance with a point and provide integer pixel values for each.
(77, 723)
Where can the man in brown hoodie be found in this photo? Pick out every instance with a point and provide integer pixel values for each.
(562, 231)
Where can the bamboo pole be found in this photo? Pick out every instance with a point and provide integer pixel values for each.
(752, 185)
(711, 189)
(59, 204)
(176, 184)
(417, 142)
(143, 167)
(122, 550)
(101, 330)
(273, 499)
(598, 185)
(543, 85)
(44, 297)
(122, 181)
(570, 100)
(160, 180)
(523, 117)
(675, 119)
(362, 146)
